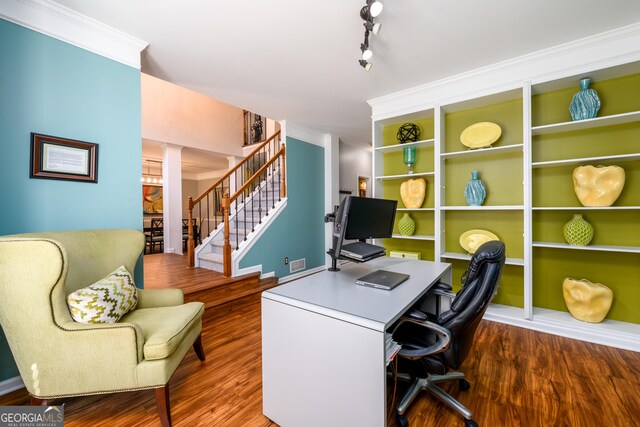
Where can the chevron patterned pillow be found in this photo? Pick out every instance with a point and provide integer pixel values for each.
(106, 301)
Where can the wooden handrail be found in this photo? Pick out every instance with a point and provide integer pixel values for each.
(260, 171)
(192, 203)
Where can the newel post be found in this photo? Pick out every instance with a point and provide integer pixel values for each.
(227, 245)
(283, 177)
(191, 248)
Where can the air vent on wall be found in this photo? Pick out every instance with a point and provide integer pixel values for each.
(297, 265)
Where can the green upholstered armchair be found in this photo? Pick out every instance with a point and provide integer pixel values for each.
(58, 357)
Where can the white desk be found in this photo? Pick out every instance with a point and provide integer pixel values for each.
(323, 343)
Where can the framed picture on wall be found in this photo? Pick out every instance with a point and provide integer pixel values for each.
(60, 158)
(152, 199)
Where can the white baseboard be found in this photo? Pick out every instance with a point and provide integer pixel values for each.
(12, 384)
(304, 273)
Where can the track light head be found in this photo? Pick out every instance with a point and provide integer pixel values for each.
(375, 8)
(366, 65)
(373, 27)
(366, 52)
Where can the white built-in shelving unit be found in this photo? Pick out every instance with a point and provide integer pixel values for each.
(528, 153)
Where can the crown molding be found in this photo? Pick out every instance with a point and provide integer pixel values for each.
(62, 23)
(608, 49)
(303, 133)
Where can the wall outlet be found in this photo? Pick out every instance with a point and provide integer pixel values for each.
(286, 260)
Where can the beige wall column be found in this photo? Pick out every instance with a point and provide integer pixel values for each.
(172, 195)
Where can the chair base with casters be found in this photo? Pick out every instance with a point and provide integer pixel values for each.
(430, 384)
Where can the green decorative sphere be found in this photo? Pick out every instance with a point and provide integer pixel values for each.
(408, 132)
(407, 225)
(578, 232)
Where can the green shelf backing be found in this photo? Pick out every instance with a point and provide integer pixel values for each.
(425, 247)
(595, 142)
(394, 164)
(391, 191)
(501, 174)
(507, 115)
(510, 290)
(507, 225)
(553, 186)
(618, 271)
(423, 220)
(617, 96)
(617, 228)
(389, 133)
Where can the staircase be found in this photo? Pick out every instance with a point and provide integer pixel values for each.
(254, 212)
(228, 222)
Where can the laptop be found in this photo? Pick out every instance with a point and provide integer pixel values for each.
(382, 279)
(361, 250)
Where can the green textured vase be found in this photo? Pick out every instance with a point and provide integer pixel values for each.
(407, 225)
(578, 232)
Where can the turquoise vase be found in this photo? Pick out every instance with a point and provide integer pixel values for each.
(409, 157)
(475, 191)
(585, 104)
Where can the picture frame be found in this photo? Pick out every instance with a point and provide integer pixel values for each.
(152, 199)
(53, 157)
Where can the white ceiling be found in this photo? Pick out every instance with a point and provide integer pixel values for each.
(297, 60)
(194, 161)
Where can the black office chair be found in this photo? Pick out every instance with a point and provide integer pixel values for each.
(432, 345)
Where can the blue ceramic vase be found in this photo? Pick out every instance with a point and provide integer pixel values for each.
(585, 104)
(475, 191)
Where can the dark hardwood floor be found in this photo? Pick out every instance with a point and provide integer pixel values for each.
(518, 378)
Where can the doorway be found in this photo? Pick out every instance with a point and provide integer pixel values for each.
(363, 186)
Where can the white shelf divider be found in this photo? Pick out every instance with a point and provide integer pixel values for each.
(483, 151)
(602, 248)
(416, 209)
(483, 208)
(619, 158)
(459, 255)
(406, 175)
(616, 119)
(399, 147)
(585, 208)
(414, 237)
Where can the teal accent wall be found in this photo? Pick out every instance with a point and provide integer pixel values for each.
(54, 88)
(298, 232)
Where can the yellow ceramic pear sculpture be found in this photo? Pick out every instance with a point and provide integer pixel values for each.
(586, 301)
(598, 185)
(412, 192)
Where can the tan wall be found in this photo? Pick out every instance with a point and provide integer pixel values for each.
(179, 116)
(189, 188)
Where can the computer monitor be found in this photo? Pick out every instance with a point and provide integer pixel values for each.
(361, 218)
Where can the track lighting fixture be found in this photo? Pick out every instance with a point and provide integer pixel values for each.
(368, 12)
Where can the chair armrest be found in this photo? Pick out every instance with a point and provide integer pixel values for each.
(442, 293)
(150, 298)
(95, 341)
(442, 343)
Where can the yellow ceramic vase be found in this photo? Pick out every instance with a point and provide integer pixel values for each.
(586, 301)
(598, 185)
